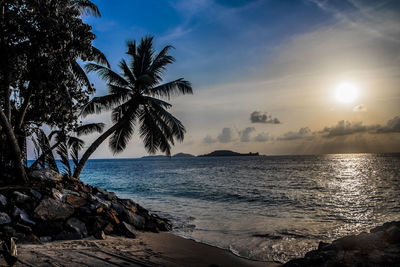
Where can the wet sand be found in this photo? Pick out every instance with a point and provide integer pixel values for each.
(147, 249)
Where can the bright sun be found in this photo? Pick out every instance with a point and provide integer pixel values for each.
(346, 92)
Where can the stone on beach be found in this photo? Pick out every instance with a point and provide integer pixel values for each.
(51, 209)
(46, 174)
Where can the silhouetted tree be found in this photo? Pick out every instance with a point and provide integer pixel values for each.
(134, 100)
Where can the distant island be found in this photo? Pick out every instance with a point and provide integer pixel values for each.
(227, 153)
(178, 155)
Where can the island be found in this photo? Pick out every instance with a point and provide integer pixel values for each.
(178, 155)
(227, 153)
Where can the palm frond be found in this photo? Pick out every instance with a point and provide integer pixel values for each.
(102, 103)
(86, 7)
(62, 151)
(127, 72)
(114, 89)
(75, 142)
(174, 126)
(80, 75)
(161, 60)
(75, 156)
(90, 128)
(177, 87)
(120, 138)
(153, 137)
(45, 147)
(144, 56)
(99, 57)
(107, 74)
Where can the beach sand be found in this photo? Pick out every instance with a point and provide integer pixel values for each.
(147, 249)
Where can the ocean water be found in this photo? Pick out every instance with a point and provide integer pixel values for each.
(264, 208)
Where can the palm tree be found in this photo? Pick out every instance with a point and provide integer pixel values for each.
(134, 98)
(66, 145)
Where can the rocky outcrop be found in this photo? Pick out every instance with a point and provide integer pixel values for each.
(56, 207)
(380, 247)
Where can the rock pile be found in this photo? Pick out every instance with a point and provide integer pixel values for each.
(57, 207)
(380, 247)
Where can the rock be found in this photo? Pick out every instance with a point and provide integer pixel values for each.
(66, 235)
(98, 202)
(36, 194)
(48, 228)
(57, 194)
(4, 218)
(66, 192)
(136, 220)
(8, 230)
(51, 209)
(393, 235)
(75, 201)
(23, 228)
(128, 230)
(118, 207)
(22, 216)
(104, 194)
(78, 226)
(45, 238)
(112, 216)
(20, 197)
(3, 200)
(46, 175)
(10, 251)
(100, 235)
(32, 238)
(109, 229)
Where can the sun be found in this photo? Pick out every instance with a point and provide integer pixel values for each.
(346, 92)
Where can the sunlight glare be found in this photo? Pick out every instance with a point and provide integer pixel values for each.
(346, 92)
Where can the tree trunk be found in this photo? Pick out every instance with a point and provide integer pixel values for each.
(15, 149)
(94, 146)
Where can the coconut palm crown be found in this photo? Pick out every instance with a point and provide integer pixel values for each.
(135, 99)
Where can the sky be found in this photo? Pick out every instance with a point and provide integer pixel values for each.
(269, 76)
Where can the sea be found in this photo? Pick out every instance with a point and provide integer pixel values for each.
(271, 208)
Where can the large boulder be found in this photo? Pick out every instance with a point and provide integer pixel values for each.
(78, 226)
(136, 220)
(3, 200)
(4, 218)
(50, 209)
(45, 174)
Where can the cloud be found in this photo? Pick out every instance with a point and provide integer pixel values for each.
(392, 126)
(226, 136)
(347, 128)
(209, 140)
(262, 137)
(304, 132)
(245, 134)
(360, 108)
(258, 117)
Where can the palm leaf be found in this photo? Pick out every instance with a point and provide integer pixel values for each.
(90, 128)
(99, 57)
(44, 144)
(127, 72)
(86, 7)
(81, 76)
(107, 74)
(62, 151)
(177, 87)
(120, 138)
(102, 103)
(144, 56)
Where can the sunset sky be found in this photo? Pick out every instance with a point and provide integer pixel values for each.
(275, 77)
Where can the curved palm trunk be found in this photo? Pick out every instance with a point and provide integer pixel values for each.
(15, 149)
(94, 146)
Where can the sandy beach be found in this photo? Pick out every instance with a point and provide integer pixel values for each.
(147, 249)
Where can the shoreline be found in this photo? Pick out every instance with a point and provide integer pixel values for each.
(147, 249)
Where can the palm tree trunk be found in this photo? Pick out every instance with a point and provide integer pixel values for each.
(15, 149)
(94, 146)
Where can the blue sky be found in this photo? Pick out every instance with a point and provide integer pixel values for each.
(283, 59)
